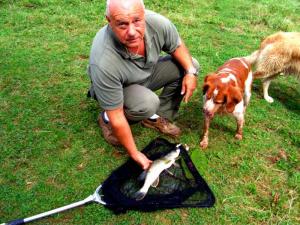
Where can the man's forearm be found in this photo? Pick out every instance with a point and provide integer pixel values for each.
(182, 55)
(122, 130)
(189, 82)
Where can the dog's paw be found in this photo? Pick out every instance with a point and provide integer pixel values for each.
(269, 99)
(239, 136)
(204, 144)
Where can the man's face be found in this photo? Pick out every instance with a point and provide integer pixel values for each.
(128, 24)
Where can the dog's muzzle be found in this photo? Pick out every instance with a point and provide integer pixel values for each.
(208, 113)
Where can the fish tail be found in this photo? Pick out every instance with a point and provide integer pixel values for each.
(139, 195)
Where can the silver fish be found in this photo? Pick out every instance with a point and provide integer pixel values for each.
(152, 174)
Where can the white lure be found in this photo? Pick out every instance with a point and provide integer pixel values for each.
(152, 174)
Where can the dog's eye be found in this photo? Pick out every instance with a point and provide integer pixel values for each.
(225, 99)
(221, 101)
(218, 102)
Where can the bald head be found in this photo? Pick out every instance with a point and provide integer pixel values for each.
(111, 5)
(127, 21)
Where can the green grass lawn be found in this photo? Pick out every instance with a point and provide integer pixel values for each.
(52, 151)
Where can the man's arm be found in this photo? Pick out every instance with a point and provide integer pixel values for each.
(189, 83)
(122, 131)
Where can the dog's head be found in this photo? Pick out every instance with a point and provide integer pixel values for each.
(219, 95)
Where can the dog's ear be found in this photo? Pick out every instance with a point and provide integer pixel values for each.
(208, 89)
(209, 77)
(206, 78)
(205, 88)
(208, 84)
(233, 97)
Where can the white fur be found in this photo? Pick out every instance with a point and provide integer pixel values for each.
(248, 83)
(240, 59)
(238, 111)
(227, 79)
(278, 53)
(216, 91)
(209, 105)
(225, 70)
(245, 65)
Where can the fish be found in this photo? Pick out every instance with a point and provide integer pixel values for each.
(151, 175)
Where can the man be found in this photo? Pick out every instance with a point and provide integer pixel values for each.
(125, 69)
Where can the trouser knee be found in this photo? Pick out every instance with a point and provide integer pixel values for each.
(140, 102)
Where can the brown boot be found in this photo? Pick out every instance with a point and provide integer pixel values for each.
(107, 132)
(163, 125)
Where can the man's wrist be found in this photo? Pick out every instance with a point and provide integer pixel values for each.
(192, 70)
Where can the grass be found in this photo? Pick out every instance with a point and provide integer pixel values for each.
(53, 154)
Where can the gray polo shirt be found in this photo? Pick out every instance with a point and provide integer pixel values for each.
(112, 67)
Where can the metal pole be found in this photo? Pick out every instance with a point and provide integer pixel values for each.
(61, 209)
(92, 198)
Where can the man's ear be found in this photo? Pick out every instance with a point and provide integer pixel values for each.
(108, 19)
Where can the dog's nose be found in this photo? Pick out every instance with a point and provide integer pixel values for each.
(208, 113)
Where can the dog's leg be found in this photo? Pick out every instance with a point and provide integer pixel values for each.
(240, 123)
(204, 141)
(247, 94)
(266, 83)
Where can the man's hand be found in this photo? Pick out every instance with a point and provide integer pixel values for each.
(142, 160)
(189, 84)
(122, 131)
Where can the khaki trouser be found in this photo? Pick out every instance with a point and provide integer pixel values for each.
(141, 101)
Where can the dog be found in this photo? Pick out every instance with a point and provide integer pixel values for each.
(278, 53)
(227, 91)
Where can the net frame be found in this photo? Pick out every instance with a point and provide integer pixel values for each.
(119, 202)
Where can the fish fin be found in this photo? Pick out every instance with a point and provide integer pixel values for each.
(167, 161)
(155, 183)
(169, 172)
(176, 165)
(142, 176)
(139, 195)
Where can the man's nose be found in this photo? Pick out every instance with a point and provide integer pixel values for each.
(131, 30)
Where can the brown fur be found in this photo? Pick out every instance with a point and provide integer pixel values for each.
(278, 53)
(227, 91)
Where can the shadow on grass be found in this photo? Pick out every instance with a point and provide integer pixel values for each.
(191, 120)
(284, 92)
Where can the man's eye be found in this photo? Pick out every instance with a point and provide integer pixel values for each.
(137, 22)
(122, 25)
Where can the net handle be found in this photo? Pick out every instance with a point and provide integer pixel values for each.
(95, 197)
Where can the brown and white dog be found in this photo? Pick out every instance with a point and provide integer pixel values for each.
(278, 53)
(228, 90)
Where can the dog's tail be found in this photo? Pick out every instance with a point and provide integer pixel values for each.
(251, 59)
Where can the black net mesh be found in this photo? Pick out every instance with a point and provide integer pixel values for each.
(180, 186)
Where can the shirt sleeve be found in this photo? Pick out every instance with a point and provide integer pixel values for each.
(108, 88)
(171, 36)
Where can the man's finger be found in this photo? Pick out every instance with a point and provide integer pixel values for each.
(187, 96)
(182, 90)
